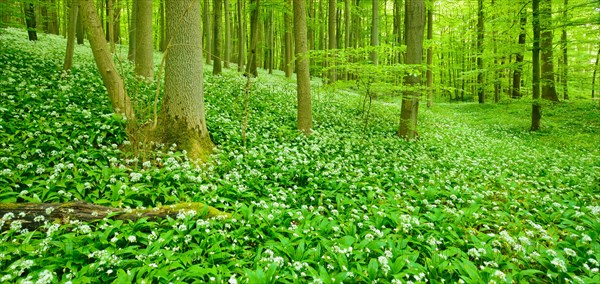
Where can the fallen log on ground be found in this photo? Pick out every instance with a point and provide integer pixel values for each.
(28, 214)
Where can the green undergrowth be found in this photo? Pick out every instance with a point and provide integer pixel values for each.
(478, 199)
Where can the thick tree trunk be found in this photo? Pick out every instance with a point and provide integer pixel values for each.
(536, 108)
(547, 54)
(216, 52)
(430, 57)
(254, 26)
(30, 21)
(415, 25)
(182, 117)
(288, 64)
(120, 101)
(71, 35)
(480, 71)
(302, 68)
(374, 30)
(332, 40)
(29, 214)
(144, 63)
(516, 82)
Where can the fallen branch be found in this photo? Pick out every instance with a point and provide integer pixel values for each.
(28, 214)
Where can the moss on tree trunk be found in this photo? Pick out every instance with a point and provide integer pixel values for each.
(28, 214)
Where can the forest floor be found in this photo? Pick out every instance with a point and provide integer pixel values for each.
(478, 198)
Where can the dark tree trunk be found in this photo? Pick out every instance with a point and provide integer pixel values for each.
(30, 21)
(536, 109)
(565, 54)
(516, 82)
(546, 52)
(480, 71)
(252, 68)
(595, 72)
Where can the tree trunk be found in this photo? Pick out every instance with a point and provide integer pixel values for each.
(206, 28)
(80, 32)
(120, 101)
(216, 52)
(536, 109)
(28, 214)
(595, 72)
(254, 25)
(565, 54)
(375, 30)
(71, 35)
(347, 30)
(132, 31)
(144, 64)
(398, 27)
(288, 65)
(110, 28)
(241, 35)
(516, 82)
(430, 57)
(480, 71)
(415, 25)
(30, 21)
(52, 17)
(547, 54)
(182, 118)
(227, 51)
(162, 44)
(302, 68)
(332, 40)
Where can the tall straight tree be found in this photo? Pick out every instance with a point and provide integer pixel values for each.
(546, 51)
(480, 73)
(415, 27)
(302, 69)
(516, 80)
(227, 51)
(251, 68)
(332, 38)
(206, 27)
(288, 65)
(536, 108)
(241, 16)
(182, 117)
(564, 79)
(374, 30)
(217, 23)
(132, 31)
(144, 65)
(430, 55)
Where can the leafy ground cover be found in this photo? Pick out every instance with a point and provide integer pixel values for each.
(477, 199)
